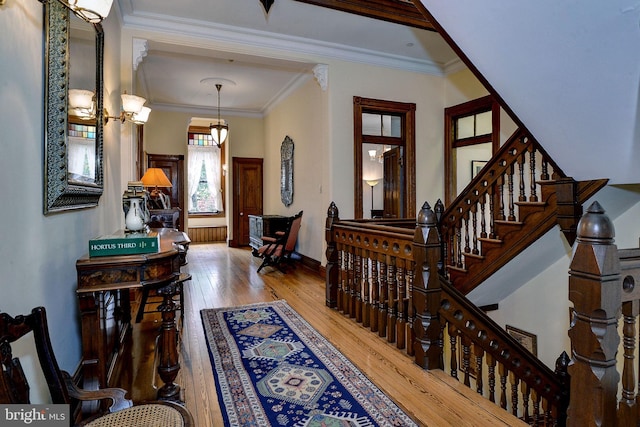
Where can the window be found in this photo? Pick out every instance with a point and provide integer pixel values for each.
(472, 135)
(205, 175)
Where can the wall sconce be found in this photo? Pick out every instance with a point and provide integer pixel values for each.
(133, 110)
(373, 155)
(82, 104)
(92, 11)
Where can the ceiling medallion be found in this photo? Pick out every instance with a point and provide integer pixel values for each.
(267, 4)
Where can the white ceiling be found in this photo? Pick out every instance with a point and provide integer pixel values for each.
(259, 58)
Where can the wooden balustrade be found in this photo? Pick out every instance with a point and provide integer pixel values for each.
(370, 274)
(602, 288)
(495, 204)
(386, 275)
(536, 394)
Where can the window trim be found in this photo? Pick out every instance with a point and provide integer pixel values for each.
(451, 114)
(222, 213)
(407, 112)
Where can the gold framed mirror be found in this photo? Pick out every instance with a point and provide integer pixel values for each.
(63, 189)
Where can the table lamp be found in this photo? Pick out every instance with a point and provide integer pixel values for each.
(155, 177)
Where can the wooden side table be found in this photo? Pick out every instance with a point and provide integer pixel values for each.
(105, 310)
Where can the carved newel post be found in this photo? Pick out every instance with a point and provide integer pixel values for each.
(333, 265)
(595, 290)
(426, 290)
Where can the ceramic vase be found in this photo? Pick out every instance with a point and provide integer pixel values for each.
(134, 220)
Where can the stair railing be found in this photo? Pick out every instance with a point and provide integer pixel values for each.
(602, 287)
(514, 378)
(500, 194)
(369, 274)
(385, 275)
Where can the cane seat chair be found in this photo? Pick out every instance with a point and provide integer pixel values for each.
(14, 388)
(276, 251)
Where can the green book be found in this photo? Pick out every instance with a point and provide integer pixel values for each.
(122, 243)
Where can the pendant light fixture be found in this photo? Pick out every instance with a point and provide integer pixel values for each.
(220, 130)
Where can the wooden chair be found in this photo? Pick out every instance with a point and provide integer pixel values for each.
(278, 249)
(14, 388)
(149, 296)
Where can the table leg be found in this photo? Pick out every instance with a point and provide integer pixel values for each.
(168, 366)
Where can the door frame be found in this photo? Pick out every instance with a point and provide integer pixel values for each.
(236, 182)
(178, 159)
(407, 112)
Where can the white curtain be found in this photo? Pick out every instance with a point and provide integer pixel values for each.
(210, 156)
(79, 151)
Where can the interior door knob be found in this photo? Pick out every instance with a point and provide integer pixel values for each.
(241, 213)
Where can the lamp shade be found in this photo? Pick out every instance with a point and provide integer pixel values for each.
(80, 98)
(372, 182)
(155, 177)
(81, 103)
(92, 11)
(219, 133)
(132, 104)
(141, 117)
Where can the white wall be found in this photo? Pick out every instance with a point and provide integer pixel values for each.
(301, 116)
(350, 79)
(546, 311)
(37, 258)
(569, 70)
(166, 133)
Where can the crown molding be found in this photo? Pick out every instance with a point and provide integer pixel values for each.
(261, 43)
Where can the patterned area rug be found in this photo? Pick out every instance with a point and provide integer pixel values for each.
(273, 369)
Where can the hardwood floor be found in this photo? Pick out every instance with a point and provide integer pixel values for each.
(224, 276)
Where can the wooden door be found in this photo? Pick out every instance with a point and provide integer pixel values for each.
(173, 167)
(393, 184)
(247, 196)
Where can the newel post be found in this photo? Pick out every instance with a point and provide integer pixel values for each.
(595, 290)
(332, 273)
(426, 291)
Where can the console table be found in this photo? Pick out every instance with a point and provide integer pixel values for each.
(264, 225)
(105, 310)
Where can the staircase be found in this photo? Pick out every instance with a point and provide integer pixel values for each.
(518, 196)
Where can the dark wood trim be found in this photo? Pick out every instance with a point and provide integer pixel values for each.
(310, 263)
(396, 11)
(465, 59)
(486, 103)
(234, 242)
(178, 159)
(408, 113)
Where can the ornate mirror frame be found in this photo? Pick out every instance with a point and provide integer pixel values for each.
(286, 171)
(61, 193)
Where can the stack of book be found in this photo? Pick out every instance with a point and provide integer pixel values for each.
(122, 243)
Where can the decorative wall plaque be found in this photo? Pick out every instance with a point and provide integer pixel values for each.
(286, 171)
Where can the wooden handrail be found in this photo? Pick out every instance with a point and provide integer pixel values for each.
(387, 278)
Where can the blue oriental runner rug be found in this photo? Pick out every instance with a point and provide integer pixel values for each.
(273, 369)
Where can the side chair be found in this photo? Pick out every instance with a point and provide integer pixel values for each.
(14, 388)
(277, 250)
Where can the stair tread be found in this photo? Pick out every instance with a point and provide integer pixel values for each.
(455, 268)
(528, 203)
(490, 240)
(472, 255)
(506, 222)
